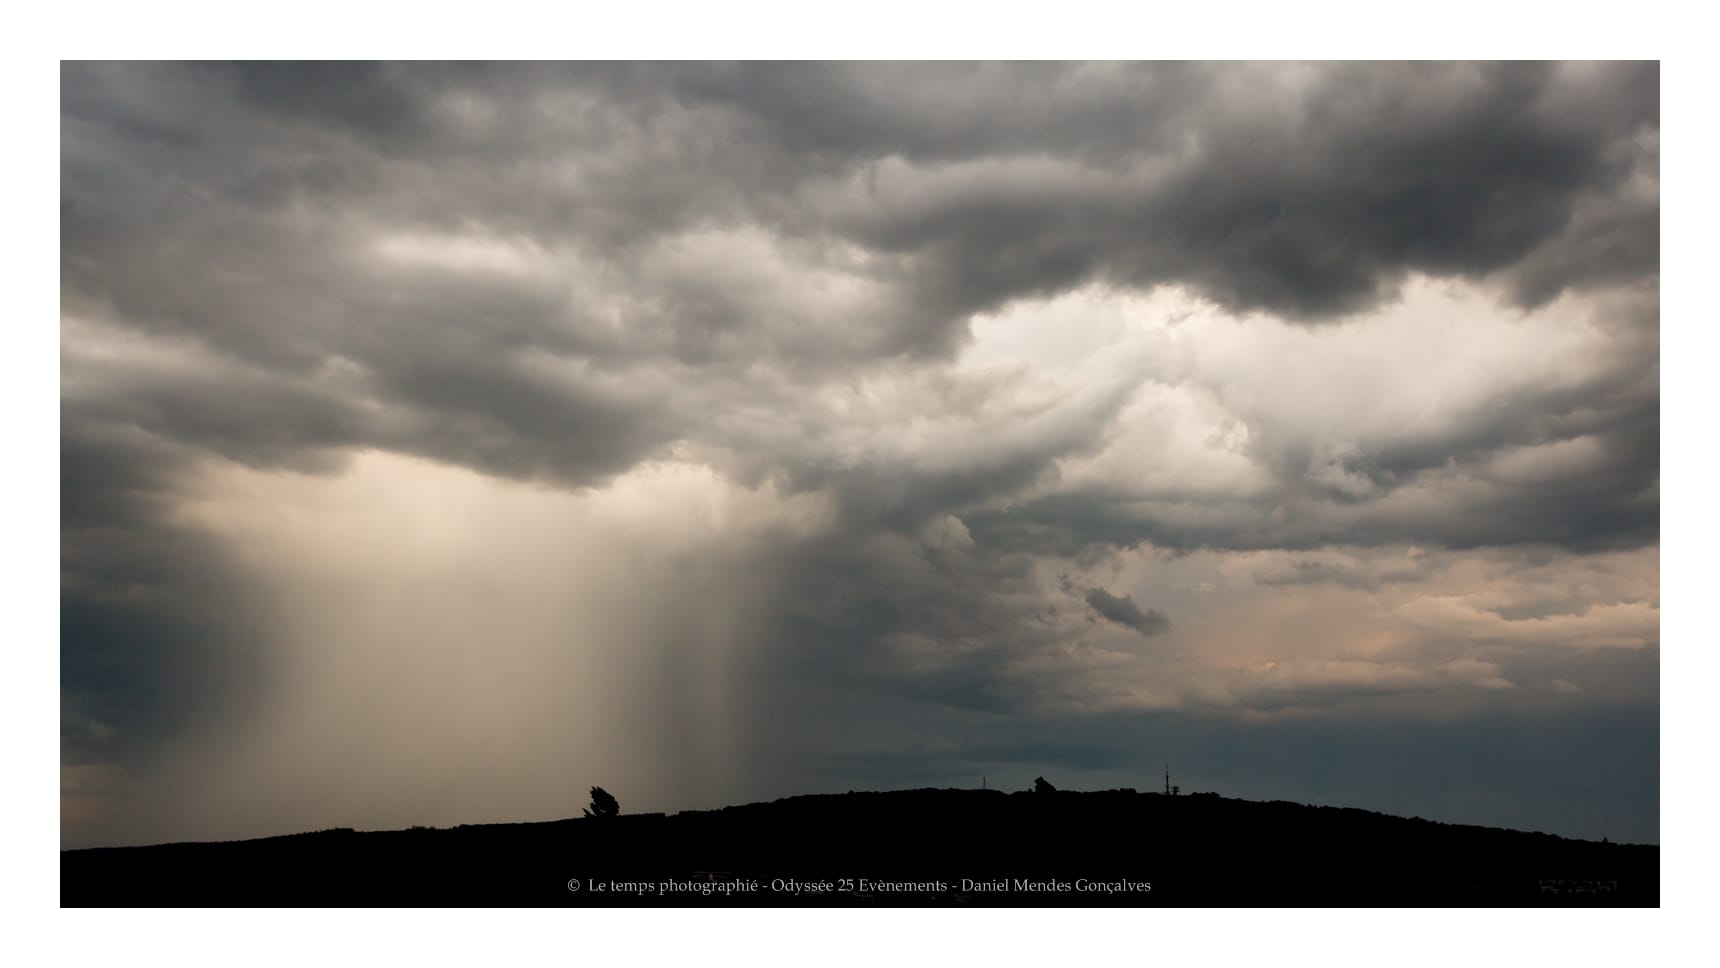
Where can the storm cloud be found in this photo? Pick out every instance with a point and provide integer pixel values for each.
(832, 420)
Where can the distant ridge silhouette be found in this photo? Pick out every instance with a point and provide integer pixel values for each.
(911, 847)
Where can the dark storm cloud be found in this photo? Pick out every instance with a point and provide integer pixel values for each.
(156, 635)
(1124, 611)
(564, 273)
(937, 622)
(1304, 192)
(240, 207)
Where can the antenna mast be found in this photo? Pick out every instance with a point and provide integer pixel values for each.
(1167, 779)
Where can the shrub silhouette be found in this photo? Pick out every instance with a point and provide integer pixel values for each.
(602, 804)
(1040, 786)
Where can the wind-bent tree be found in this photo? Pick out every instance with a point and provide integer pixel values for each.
(602, 804)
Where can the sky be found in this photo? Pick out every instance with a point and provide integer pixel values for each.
(438, 441)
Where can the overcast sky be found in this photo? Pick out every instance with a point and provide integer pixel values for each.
(440, 441)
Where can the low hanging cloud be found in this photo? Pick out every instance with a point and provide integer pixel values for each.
(1123, 611)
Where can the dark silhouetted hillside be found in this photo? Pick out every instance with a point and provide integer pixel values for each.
(916, 847)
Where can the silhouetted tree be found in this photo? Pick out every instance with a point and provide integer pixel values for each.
(1040, 786)
(602, 804)
(1175, 790)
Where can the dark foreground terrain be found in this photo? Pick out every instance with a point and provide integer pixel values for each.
(916, 847)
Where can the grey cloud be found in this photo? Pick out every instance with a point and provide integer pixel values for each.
(234, 205)
(859, 612)
(560, 273)
(1123, 611)
(1307, 571)
(1614, 502)
(1451, 170)
(158, 638)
